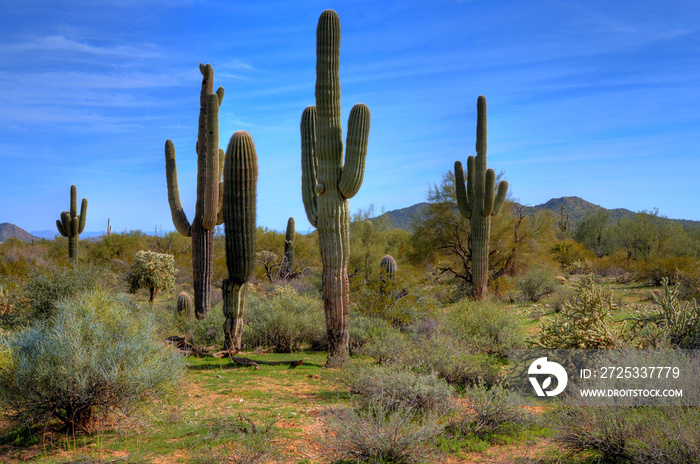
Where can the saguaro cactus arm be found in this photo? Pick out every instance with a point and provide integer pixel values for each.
(309, 163)
(355, 151)
(179, 217)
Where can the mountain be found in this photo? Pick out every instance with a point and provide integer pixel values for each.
(47, 234)
(575, 207)
(8, 230)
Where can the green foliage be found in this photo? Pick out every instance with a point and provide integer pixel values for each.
(486, 326)
(46, 285)
(568, 251)
(583, 323)
(536, 283)
(491, 410)
(377, 435)
(155, 271)
(592, 231)
(282, 319)
(396, 387)
(96, 355)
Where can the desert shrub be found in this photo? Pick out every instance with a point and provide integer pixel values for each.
(584, 322)
(643, 435)
(202, 332)
(486, 326)
(375, 435)
(389, 346)
(46, 285)
(569, 251)
(536, 284)
(490, 410)
(581, 267)
(97, 354)
(155, 271)
(252, 443)
(396, 387)
(399, 302)
(283, 319)
(676, 270)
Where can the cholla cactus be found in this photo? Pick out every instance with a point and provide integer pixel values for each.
(476, 202)
(72, 224)
(207, 214)
(156, 271)
(327, 183)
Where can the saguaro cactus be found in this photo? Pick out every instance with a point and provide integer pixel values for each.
(327, 183)
(240, 181)
(563, 222)
(477, 202)
(184, 304)
(288, 265)
(207, 212)
(72, 224)
(387, 267)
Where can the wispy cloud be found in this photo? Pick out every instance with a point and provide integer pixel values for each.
(61, 43)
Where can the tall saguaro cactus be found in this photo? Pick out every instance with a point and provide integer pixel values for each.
(288, 268)
(476, 202)
(563, 222)
(71, 224)
(239, 202)
(207, 214)
(327, 183)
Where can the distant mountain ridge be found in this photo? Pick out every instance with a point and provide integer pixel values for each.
(575, 207)
(8, 230)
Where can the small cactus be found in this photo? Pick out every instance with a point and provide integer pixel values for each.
(239, 207)
(477, 202)
(387, 268)
(72, 224)
(563, 222)
(184, 304)
(287, 270)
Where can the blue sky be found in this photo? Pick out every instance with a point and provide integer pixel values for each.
(596, 99)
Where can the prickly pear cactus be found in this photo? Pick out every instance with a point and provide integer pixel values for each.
(72, 224)
(327, 183)
(207, 212)
(239, 206)
(477, 203)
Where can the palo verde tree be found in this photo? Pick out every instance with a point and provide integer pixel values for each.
(327, 183)
(72, 224)
(207, 214)
(477, 203)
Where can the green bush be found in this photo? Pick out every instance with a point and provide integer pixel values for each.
(46, 285)
(486, 326)
(283, 319)
(396, 387)
(490, 410)
(375, 435)
(536, 284)
(97, 354)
